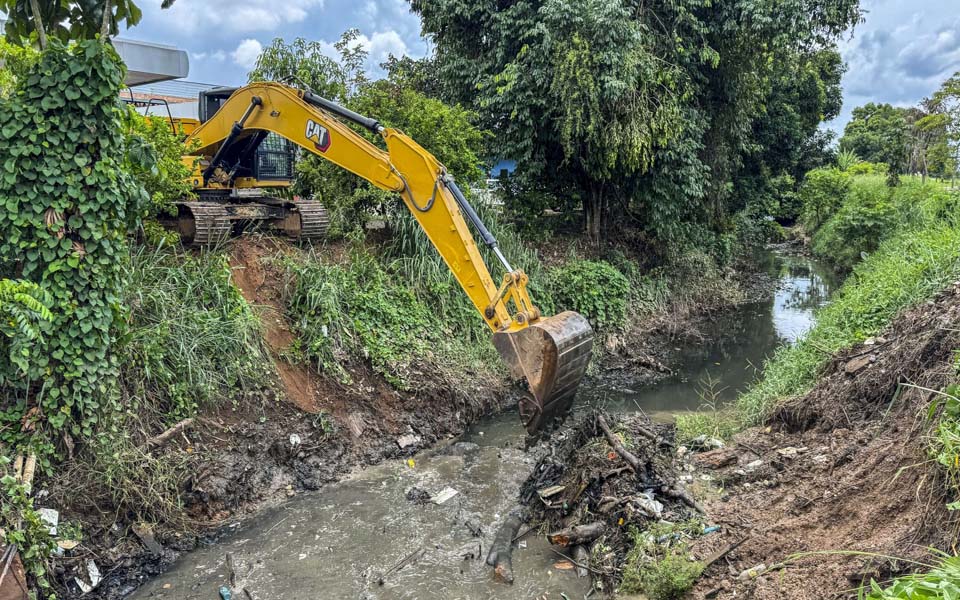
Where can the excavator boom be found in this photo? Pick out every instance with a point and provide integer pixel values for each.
(551, 353)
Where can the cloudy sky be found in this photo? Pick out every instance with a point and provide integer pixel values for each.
(900, 54)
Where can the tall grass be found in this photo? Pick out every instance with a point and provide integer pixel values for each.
(191, 340)
(410, 254)
(905, 270)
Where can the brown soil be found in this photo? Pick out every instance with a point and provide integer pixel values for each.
(842, 469)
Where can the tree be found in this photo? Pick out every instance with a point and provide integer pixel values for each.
(66, 19)
(947, 102)
(633, 108)
(301, 63)
(878, 133)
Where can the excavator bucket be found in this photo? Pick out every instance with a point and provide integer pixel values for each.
(552, 355)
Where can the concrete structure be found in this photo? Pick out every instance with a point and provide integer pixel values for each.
(148, 63)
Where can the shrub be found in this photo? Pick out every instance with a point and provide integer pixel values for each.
(822, 192)
(942, 580)
(660, 571)
(868, 168)
(595, 289)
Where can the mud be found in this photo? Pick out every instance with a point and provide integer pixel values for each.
(841, 469)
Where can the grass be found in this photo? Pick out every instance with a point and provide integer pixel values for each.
(191, 340)
(361, 311)
(906, 269)
(661, 570)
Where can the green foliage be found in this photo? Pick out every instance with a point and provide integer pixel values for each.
(410, 254)
(358, 312)
(301, 62)
(871, 211)
(822, 192)
(639, 110)
(23, 312)
(65, 208)
(878, 133)
(154, 152)
(660, 571)
(16, 61)
(595, 289)
(941, 581)
(945, 437)
(20, 524)
(192, 340)
(713, 424)
(67, 20)
(868, 168)
(906, 269)
(847, 159)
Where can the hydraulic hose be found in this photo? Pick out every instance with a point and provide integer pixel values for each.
(474, 218)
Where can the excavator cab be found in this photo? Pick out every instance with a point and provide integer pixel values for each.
(240, 149)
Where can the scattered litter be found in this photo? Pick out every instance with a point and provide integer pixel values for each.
(50, 518)
(563, 565)
(522, 544)
(788, 452)
(702, 442)
(752, 573)
(550, 491)
(444, 495)
(753, 466)
(711, 529)
(405, 441)
(145, 533)
(93, 573)
(295, 440)
(648, 506)
(67, 544)
(411, 463)
(225, 593)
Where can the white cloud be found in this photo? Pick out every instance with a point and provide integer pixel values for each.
(231, 16)
(247, 53)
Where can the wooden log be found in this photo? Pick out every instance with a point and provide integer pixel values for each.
(582, 557)
(580, 534)
(618, 447)
(500, 555)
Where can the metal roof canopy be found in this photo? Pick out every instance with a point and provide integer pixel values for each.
(149, 63)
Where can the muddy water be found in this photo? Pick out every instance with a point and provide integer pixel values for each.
(736, 343)
(338, 542)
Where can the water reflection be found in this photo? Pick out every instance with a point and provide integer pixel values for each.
(737, 342)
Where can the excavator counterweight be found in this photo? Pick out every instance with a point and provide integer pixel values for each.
(550, 353)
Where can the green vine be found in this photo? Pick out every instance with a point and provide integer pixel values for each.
(66, 204)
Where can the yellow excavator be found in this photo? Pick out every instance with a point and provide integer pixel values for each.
(242, 146)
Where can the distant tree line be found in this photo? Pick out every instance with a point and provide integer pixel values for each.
(922, 139)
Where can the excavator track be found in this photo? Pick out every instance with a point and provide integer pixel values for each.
(314, 220)
(204, 223)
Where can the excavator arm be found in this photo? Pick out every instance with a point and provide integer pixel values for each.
(551, 353)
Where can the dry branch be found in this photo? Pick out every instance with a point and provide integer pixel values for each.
(500, 556)
(159, 440)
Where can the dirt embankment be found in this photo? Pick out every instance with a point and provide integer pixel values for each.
(844, 468)
(307, 433)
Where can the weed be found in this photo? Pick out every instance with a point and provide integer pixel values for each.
(659, 565)
(192, 339)
(595, 289)
(711, 419)
(21, 526)
(942, 580)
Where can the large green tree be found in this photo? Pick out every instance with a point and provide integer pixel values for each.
(628, 107)
(878, 133)
(66, 19)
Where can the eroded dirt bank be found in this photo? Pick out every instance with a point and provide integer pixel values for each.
(844, 468)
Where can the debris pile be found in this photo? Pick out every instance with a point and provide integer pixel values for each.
(599, 483)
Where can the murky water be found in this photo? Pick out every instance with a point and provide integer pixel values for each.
(738, 343)
(337, 543)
